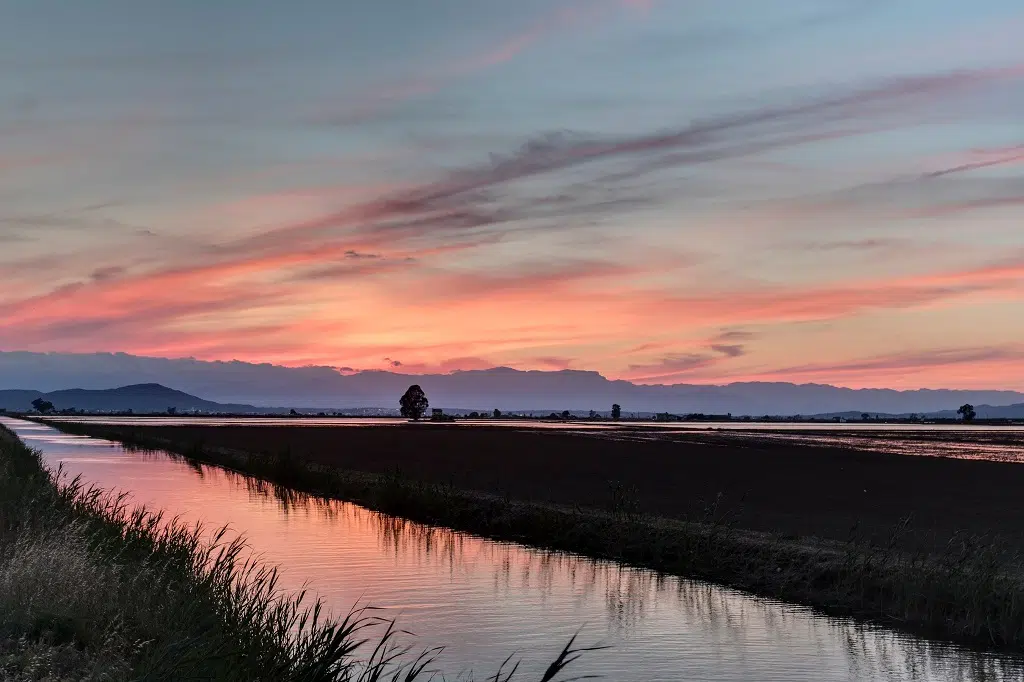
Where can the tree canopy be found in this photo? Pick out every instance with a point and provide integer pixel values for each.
(967, 412)
(42, 406)
(414, 402)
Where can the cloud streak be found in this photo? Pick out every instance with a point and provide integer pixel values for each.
(982, 360)
(377, 102)
(462, 200)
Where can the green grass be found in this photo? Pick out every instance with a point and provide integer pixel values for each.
(94, 589)
(971, 593)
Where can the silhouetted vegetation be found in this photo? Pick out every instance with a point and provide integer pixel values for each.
(970, 592)
(616, 412)
(967, 412)
(413, 402)
(42, 406)
(91, 589)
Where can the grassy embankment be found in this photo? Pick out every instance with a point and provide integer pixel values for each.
(970, 593)
(93, 590)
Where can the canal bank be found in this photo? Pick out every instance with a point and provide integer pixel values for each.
(283, 502)
(94, 587)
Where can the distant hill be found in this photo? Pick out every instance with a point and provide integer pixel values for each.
(139, 398)
(18, 400)
(988, 412)
(243, 384)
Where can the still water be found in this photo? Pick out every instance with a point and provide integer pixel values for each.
(484, 600)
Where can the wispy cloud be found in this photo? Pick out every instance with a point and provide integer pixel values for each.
(870, 244)
(877, 368)
(728, 350)
(984, 158)
(377, 102)
(674, 367)
(670, 367)
(498, 195)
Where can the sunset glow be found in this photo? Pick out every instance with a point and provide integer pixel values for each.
(662, 191)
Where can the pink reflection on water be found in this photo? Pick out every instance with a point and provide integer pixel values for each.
(484, 600)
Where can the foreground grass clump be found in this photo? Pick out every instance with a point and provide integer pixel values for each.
(91, 589)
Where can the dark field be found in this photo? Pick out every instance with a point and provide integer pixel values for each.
(633, 497)
(755, 482)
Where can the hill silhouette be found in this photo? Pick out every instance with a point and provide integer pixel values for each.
(138, 398)
(264, 385)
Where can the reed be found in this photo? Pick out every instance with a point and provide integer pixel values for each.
(92, 588)
(972, 592)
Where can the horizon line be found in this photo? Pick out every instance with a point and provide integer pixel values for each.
(398, 371)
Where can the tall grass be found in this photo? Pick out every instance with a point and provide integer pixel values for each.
(972, 592)
(92, 588)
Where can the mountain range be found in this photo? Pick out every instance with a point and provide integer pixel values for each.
(141, 398)
(239, 386)
(154, 398)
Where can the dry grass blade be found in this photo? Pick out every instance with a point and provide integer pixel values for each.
(568, 656)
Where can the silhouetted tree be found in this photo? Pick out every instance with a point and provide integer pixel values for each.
(565, 414)
(865, 416)
(42, 406)
(497, 413)
(967, 412)
(414, 402)
(593, 415)
(616, 411)
(172, 411)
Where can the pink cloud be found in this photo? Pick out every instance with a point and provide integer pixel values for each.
(464, 364)
(575, 303)
(550, 362)
(941, 367)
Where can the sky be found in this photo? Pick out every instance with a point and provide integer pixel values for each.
(665, 191)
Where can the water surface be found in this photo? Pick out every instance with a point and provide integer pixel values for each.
(484, 600)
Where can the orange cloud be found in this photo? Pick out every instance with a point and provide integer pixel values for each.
(246, 310)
